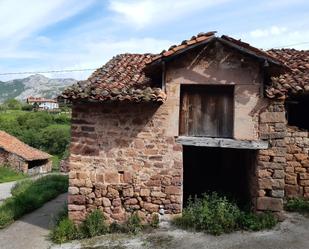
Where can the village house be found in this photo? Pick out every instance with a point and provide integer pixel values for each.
(210, 114)
(21, 157)
(43, 103)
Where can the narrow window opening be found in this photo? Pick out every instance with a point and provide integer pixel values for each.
(297, 112)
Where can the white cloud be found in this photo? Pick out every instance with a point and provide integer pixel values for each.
(142, 13)
(20, 18)
(273, 30)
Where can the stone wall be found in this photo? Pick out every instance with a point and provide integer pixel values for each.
(297, 170)
(268, 190)
(122, 160)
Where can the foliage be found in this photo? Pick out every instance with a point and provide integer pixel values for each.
(7, 174)
(300, 205)
(217, 215)
(55, 163)
(13, 104)
(30, 196)
(94, 224)
(27, 107)
(20, 187)
(155, 221)
(55, 139)
(42, 130)
(64, 231)
(134, 224)
(256, 222)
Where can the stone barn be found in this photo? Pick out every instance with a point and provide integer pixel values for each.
(21, 157)
(210, 114)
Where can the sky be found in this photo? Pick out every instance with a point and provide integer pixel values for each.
(37, 35)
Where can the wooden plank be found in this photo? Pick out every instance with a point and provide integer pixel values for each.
(222, 143)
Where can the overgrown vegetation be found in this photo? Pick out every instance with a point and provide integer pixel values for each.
(217, 215)
(45, 131)
(7, 174)
(299, 205)
(29, 195)
(94, 225)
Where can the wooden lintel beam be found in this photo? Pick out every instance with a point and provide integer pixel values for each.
(222, 143)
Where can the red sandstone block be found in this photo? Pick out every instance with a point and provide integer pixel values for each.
(172, 190)
(269, 203)
(77, 199)
(112, 177)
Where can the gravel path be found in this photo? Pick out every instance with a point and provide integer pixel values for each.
(293, 233)
(31, 231)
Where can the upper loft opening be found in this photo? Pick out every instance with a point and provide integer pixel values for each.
(207, 111)
(297, 111)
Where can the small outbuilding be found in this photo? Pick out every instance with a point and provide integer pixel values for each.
(22, 157)
(210, 114)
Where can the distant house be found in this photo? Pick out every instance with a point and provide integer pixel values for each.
(21, 157)
(42, 103)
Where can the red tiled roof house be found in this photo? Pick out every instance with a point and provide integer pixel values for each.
(148, 131)
(21, 157)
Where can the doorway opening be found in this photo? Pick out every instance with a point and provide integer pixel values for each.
(229, 172)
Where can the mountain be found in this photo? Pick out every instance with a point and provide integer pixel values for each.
(35, 85)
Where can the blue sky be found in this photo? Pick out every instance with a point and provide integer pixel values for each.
(37, 35)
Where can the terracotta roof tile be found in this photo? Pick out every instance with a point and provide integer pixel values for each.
(294, 82)
(13, 145)
(201, 37)
(120, 79)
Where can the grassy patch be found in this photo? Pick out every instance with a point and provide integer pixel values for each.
(217, 215)
(55, 163)
(299, 205)
(29, 195)
(9, 175)
(94, 225)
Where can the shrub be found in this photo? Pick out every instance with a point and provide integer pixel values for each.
(65, 231)
(300, 205)
(94, 224)
(155, 221)
(134, 224)
(256, 222)
(216, 215)
(31, 195)
(27, 107)
(20, 187)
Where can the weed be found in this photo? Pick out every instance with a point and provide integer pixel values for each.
(65, 231)
(217, 215)
(134, 224)
(300, 205)
(7, 174)
(94, 224)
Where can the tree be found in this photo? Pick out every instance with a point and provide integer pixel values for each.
(55, 139)
(13, 104)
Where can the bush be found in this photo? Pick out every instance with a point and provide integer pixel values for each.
(216, 215)
(256, 222)
(13, 104)
(20, 187)
(300, 205)
(28, 196)
(94, 224)
(155, 221)
(27, 107)
(134, 224)
(65, 231)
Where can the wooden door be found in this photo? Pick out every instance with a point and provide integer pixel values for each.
(207, 111)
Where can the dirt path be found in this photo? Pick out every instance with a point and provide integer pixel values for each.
(31, 230)
(293, 233)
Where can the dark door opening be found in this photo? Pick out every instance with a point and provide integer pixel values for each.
(297, 111)
(228, 172)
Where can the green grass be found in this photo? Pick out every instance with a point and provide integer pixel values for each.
(216, 215)
(29, 195)
(9, 175)
(299, 205)
(56, 163)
